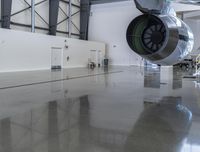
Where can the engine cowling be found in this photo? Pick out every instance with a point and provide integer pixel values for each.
(161, 38)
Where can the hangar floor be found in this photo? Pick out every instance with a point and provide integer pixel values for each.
(119, 109)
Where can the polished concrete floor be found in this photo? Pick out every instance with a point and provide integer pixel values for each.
(119, 109)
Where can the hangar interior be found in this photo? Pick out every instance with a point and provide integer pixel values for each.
(70, 81)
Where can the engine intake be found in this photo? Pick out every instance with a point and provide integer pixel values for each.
(163, 39)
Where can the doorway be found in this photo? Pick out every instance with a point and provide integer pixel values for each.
(96, 57)
(56, 58)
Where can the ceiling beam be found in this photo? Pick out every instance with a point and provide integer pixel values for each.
(53, 16)
(84, 18)
(6, 6)
(93, 2)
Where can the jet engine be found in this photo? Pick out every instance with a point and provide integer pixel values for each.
(158, 35)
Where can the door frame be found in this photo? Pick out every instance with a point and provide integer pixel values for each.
(61, 51)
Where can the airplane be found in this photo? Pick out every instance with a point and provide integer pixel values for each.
(158, 35)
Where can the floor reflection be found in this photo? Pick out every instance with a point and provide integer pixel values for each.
(61, 126)
(53, 127)
(105, 113)
(152, 77)
(53, 131)
(161, 127)
(177, 78)
(5, 134)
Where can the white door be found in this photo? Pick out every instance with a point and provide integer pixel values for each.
(56, 58)
(96, 57)
(99, 58)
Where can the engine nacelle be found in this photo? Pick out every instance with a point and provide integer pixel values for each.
(159, 36)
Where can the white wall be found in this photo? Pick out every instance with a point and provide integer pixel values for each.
(193, 20)
(109, 22)
(195, 24)
(180, 7)
(21, 51)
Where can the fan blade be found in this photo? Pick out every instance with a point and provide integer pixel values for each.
(153, 28)
(151, 47)
(147, 41)
(147, 35)
(159, 27)
(149, 31)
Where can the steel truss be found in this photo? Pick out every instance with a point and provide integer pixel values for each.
(53, 16)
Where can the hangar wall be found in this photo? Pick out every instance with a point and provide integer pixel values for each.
(25, 51)
(109, 22)
(194, 24)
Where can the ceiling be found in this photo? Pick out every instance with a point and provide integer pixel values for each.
(194, 2)
(105, 1)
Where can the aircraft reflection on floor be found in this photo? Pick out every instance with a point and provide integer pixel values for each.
(177, 78)
(152, 78)
(70, 125)
(163, 126)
